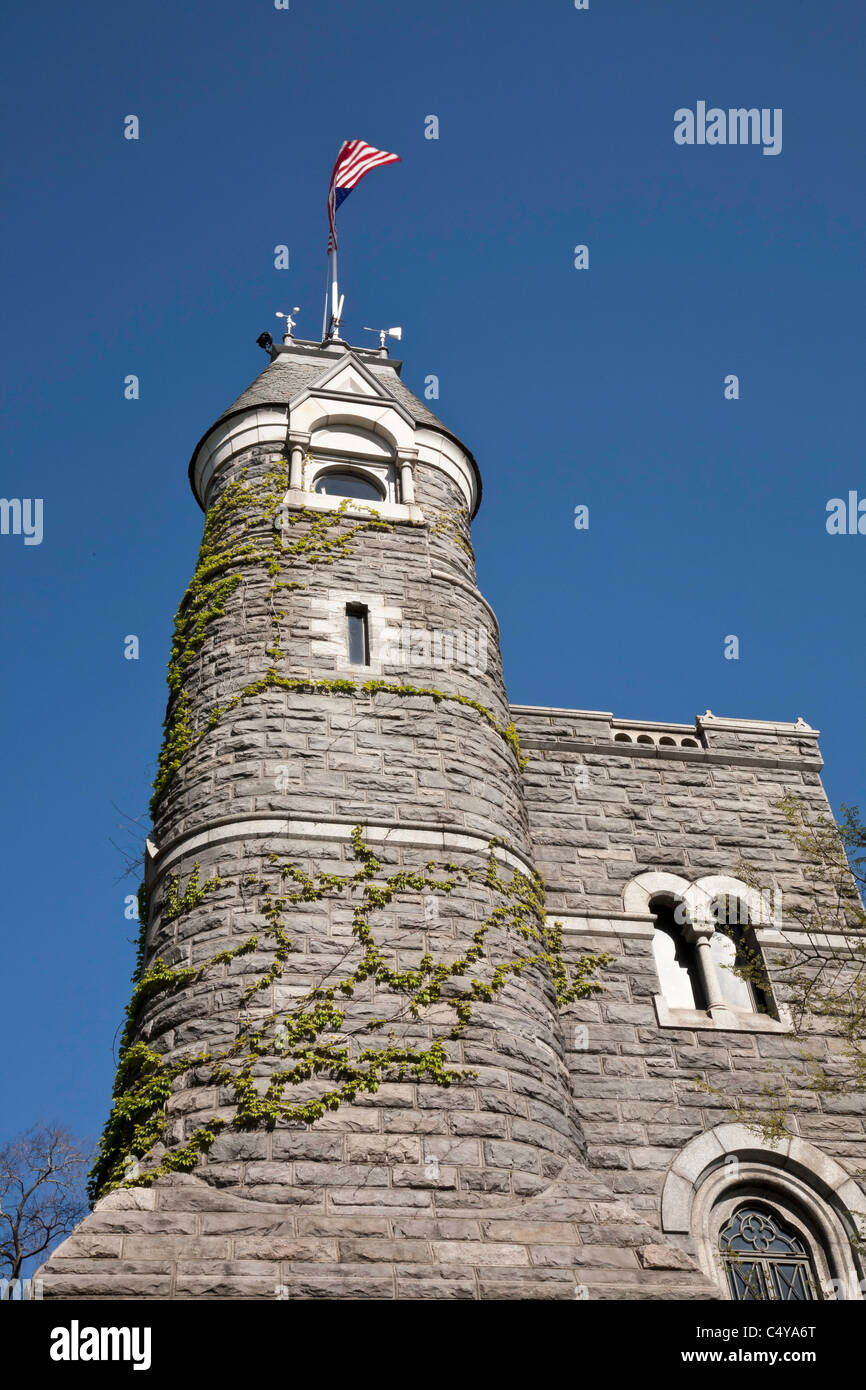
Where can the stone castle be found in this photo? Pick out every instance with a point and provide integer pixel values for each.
(366, 1056)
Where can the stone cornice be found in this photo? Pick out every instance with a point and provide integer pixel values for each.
(813, 763)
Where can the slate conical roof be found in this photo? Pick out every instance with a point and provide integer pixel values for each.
(288, 374)
(293, 371)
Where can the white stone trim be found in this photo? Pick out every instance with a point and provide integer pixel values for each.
(710, 721)
(819, 941)
(350, 440)
(329, 633)
(350, 378)
(429, 837)
(707, 1151)
(603, 716)
(380, 471)
(703, 891)
(667, 738)
(256, 425)
(600, 739)
(377, 415)
(697, 897)
(635, 925)
(637, 894)
(798, 728)
(443, 453)
(324, 409)
(720, 1019)
(297, 498)
(651, 725)
(696, 894)
(732, 1160)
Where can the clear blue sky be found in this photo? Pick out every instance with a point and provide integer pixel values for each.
(604, 387)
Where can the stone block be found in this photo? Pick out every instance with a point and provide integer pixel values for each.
(385, 1251)
(463, 1252)
(665, 1257)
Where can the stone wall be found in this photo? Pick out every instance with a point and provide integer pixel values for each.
(477, 1189)
(553, 1164)
(602, 812)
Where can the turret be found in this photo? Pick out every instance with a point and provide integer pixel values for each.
(349, 991)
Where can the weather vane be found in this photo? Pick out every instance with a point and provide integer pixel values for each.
(385, 333)
(290, 322)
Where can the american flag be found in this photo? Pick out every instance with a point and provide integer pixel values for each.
(356, 158)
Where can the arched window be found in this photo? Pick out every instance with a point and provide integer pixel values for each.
(736, 956)
(676, 960)
(710, 953)
(345, 482)
(766, 1258)
(768, 1222)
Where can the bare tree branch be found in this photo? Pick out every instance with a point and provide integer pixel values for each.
(820, 971)
(42, 1193)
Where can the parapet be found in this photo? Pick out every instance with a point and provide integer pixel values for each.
(711, 738)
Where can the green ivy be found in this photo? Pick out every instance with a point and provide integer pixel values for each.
(220, 570)
(232, 545)
(301, 1042)
(454, 523)
(143, 911)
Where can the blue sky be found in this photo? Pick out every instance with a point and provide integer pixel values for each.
(602, 387)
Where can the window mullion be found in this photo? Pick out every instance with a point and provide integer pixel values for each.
(699, 933)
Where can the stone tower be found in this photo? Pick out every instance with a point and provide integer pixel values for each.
(355, 1064)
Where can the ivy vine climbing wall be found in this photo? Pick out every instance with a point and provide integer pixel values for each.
(361, 1023)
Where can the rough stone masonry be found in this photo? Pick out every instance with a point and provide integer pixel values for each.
(571, 1155)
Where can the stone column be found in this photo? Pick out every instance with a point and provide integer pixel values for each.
(698, 934)
(296, 461)
(407, 481)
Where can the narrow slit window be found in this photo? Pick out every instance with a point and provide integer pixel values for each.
(359, 634)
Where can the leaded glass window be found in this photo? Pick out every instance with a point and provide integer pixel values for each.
(765, 1259)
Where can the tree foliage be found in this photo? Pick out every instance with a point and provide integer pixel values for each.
(820, 971)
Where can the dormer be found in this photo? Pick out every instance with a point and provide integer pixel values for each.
(351, 430)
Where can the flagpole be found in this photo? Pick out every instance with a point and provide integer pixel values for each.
(331, 295)
(355, 159)
(327, 297)
(335, 301)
